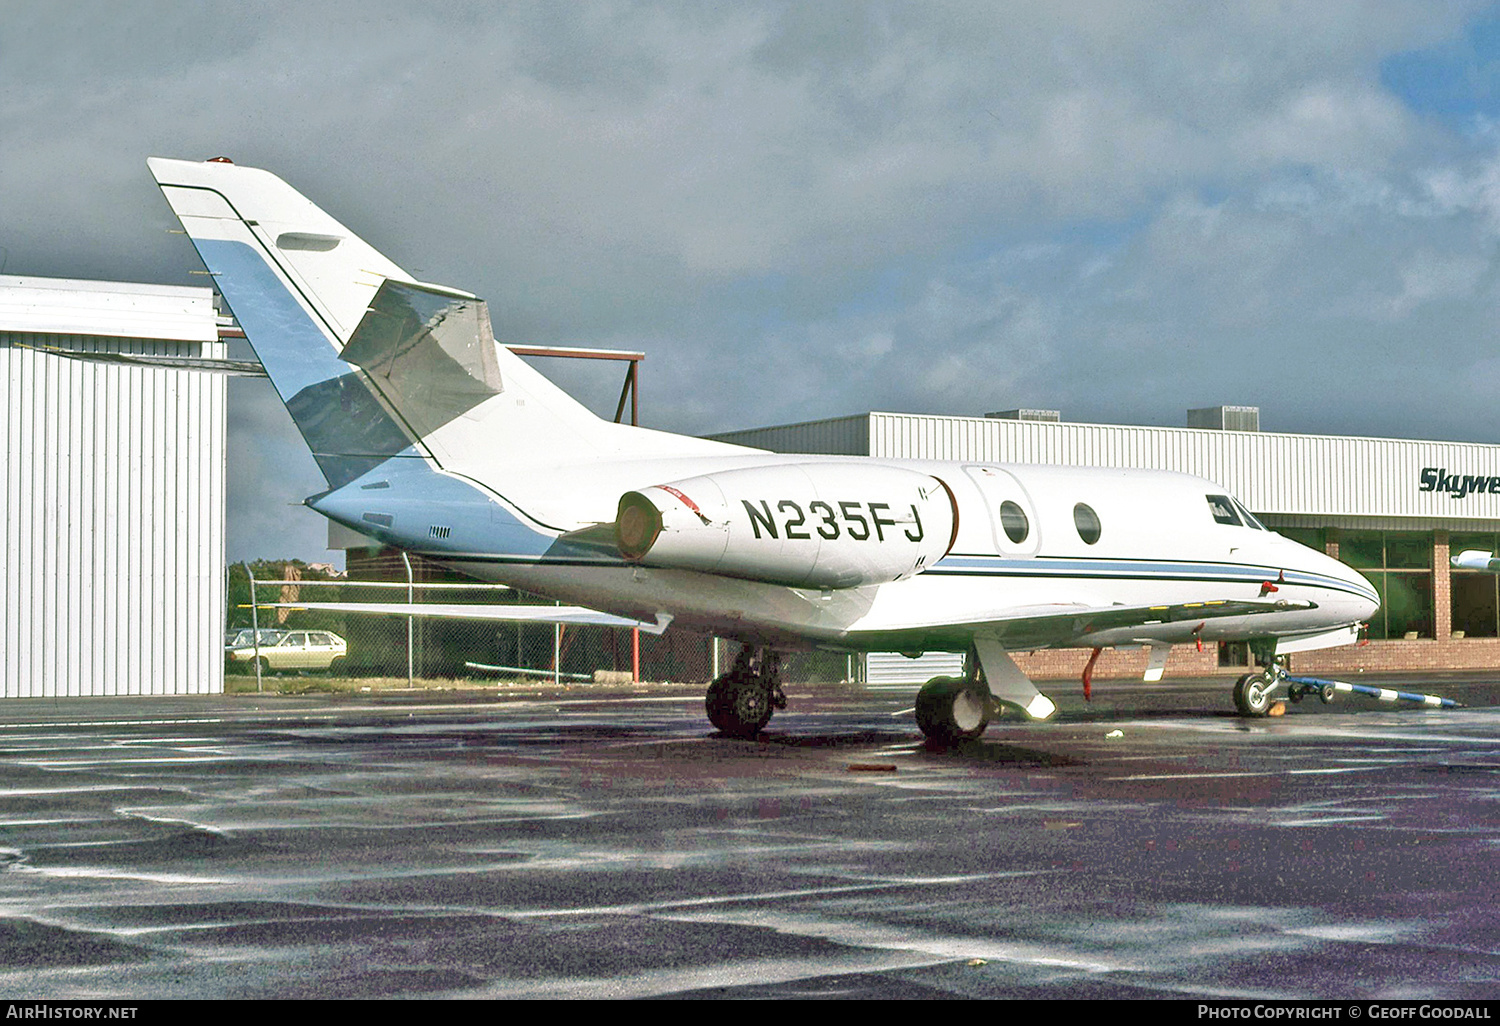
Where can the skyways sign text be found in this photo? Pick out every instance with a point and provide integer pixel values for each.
(1437, 479)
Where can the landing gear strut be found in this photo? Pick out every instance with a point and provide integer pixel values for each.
(1255, 693)
(740, 702)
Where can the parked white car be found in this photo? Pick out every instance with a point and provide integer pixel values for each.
(245, 638)
(293, 650)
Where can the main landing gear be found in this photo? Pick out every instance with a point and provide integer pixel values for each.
(740, 702)
(949, 709)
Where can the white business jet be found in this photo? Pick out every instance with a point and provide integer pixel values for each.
(434, 439)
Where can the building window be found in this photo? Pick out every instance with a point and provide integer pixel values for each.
(1399, 565)
(1312, 537)
(1476, 593)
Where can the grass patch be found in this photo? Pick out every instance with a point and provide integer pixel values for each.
(322, 684)
(294, 684)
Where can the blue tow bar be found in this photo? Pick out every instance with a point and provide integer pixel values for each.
(1300, 687)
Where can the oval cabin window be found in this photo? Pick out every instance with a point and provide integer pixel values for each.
(1013, 521)
(1087, 522)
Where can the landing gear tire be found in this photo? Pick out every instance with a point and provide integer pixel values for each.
(951, 709)
(1326, 693)
(713, 702)
(1252, 694)
(738, 705)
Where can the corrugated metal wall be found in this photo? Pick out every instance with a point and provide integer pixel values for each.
(1362, 482)
(113, 490)
(1363, 479)
(840, 436)
(892, 668)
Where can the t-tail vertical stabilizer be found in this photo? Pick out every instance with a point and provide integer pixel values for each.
(370, 363)
(298, 282)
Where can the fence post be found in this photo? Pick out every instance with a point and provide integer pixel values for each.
(410, 599)
(254, 623)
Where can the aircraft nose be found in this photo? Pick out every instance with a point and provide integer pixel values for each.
(1365, 600)
(1370, 607)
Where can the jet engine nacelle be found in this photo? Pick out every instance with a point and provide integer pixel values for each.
(811, 525)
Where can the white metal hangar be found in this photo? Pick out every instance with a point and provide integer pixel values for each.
(112, 482)
(1395, 509)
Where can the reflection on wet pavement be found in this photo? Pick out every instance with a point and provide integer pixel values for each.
(612, 846)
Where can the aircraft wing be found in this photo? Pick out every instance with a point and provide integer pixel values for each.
(574, 615)
(1077, 621)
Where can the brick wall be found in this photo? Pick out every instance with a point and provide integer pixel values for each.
(1186, 661)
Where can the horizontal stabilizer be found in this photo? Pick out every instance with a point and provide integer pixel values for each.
(430, 351)
(207, 364)
(575, 615)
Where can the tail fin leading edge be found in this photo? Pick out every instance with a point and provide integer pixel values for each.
(298, 283)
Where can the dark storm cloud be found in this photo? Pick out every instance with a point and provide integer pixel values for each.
(804, 210)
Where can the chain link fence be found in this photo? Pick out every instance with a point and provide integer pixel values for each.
(430, 647)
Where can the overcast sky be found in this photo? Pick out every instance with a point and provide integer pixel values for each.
(1116, 210)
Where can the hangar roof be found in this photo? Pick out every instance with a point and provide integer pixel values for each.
(67, 306)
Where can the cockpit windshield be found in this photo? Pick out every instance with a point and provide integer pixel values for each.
(1223, 510)
(1248, 517)
(1227, 510)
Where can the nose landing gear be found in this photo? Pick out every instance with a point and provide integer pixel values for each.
(1255, 693)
